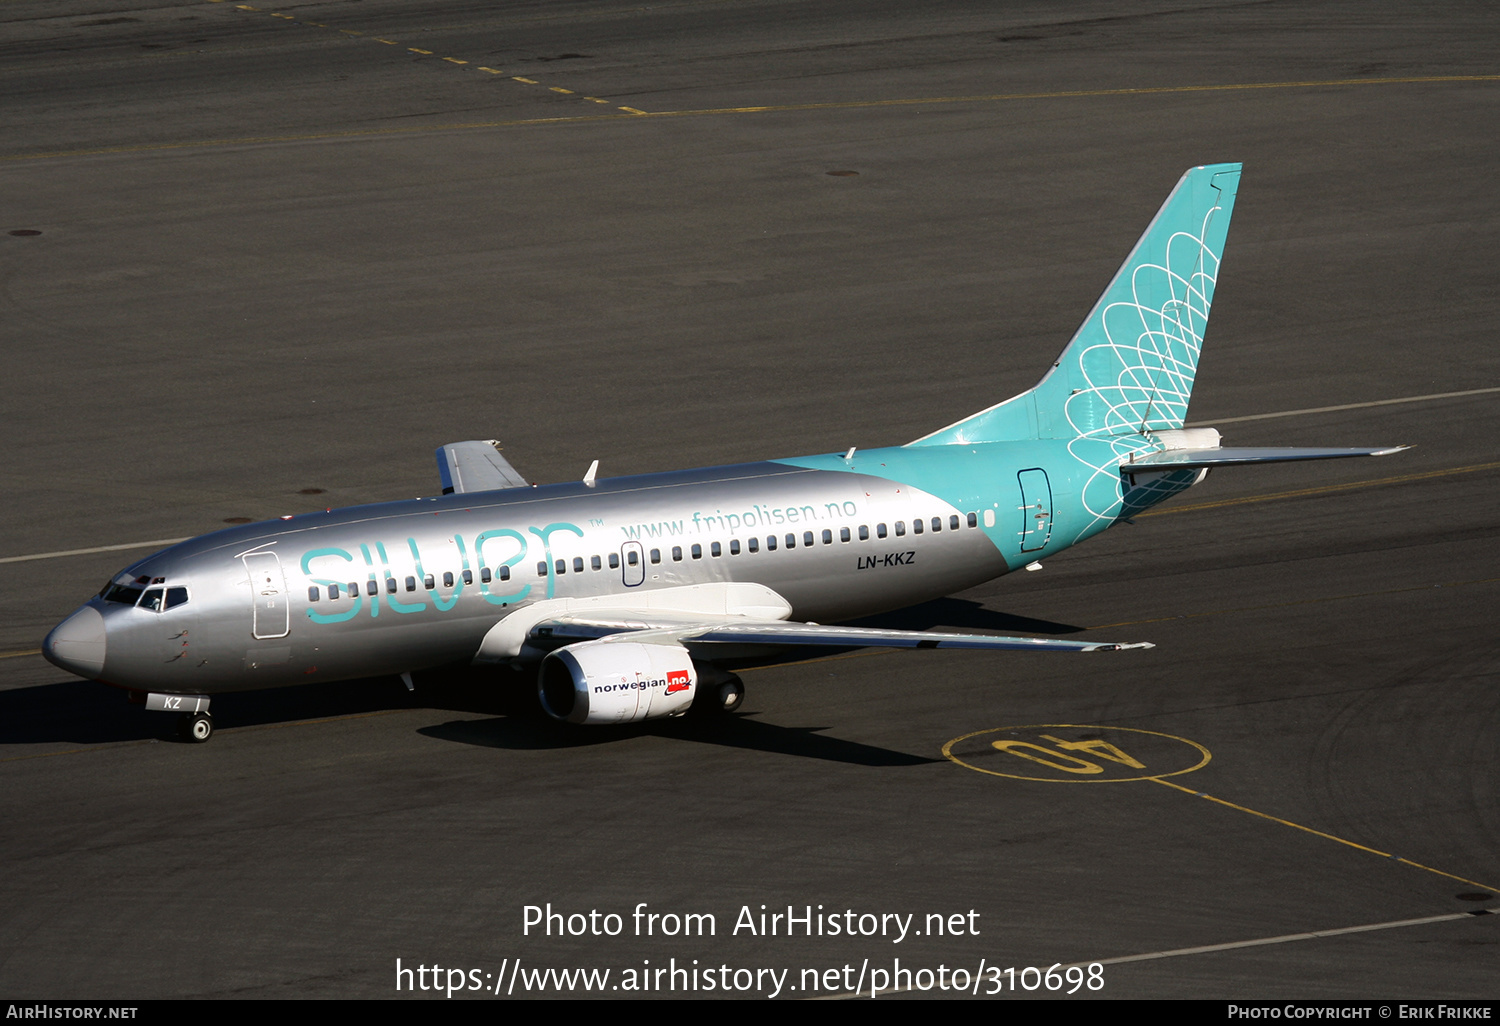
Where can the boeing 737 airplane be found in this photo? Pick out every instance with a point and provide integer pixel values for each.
(623, 592)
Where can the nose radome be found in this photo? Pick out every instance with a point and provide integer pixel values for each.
(77, 644)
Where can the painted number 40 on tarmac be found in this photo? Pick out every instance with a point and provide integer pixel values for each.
(1076, 753)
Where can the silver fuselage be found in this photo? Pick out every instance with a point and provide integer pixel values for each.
(405, 586)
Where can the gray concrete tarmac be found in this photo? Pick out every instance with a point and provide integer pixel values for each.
(282, 249)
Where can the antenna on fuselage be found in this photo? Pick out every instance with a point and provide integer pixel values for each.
(588, 479)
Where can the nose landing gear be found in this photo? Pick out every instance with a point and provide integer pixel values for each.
(195, 727)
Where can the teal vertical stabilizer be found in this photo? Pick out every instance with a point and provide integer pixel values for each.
(1130, 367)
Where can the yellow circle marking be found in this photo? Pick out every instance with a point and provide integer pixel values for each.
(1085, 770)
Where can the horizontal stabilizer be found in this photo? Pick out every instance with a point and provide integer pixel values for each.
(739, 631)
(1185, 459)
(476, 467)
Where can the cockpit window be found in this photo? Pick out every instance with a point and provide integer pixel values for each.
(153, 599)
(122, 593)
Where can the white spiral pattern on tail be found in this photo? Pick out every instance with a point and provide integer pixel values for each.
(1141, 374)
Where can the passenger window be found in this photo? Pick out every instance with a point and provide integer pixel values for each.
(468, 577)
(371, 588)
(504, 573)
(770, 543)
(312, 594)
(578, 564)
(677, 553)
(880, 530)
(656, 555)
(937, 524)
(541, 568)
(333, 593)
(843, 534)
(353, 589)
(715, 550)
(596, 563)
(561, 566)
(390, 585)
(916, 527)
(791, 541)
(734, 546)
(448, 579)
(864, 532)
(828, 536)
(411, 584)
(178, 596)
(900, 528)
(484, 575)
(429, 582)
(697, 551)
(753, 544)
(973, 519)
(614, 559)
(953, 522)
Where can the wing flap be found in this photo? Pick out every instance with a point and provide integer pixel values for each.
(476, 466)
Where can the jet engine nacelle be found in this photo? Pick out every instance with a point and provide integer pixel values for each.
(609, 681)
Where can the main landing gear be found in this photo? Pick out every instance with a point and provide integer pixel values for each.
(730, 695)
(719, 693)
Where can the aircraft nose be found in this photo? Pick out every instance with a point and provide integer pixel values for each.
(77, 644)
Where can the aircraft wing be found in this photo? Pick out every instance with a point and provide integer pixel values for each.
(476, 467)
(735, 630)
(1184, 459)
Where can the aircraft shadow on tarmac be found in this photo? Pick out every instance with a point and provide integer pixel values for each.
(85, 712)
(730, 731)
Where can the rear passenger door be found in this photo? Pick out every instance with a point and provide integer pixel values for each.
(1036, 509)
